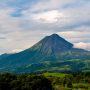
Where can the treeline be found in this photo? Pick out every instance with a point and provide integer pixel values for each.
(40, 82)
(24, 82)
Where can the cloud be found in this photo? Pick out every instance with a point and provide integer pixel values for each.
(82, 45)
(8, 23)
(63, 18)
(16, 50)
(55, 4)
(48, 17)
(28, 21)
(76, 36)
(43, 5)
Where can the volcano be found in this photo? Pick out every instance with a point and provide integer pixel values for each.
(51, 52)
(52, 44)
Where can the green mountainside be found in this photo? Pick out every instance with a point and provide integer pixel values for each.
(53, 53)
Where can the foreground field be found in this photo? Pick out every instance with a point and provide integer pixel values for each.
(45, 81)
(62, 81)
(54, 74)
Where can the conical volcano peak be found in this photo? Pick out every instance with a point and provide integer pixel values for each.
(56, 38)
(54, 35)
(61, 42)
(53, 43)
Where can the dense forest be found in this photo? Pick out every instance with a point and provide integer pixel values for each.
(45, 81)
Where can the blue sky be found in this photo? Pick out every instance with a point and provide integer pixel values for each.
(25, 22)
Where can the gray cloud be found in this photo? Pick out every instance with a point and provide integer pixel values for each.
(70, 19)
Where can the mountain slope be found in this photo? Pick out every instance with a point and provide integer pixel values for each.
(4, 55)
(53, 43)
(52, 49)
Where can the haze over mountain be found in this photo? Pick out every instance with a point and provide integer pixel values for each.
(52, 53)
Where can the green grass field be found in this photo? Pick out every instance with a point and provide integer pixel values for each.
(58, 86)
(47, 74)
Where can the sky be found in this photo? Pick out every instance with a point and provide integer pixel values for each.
(24, 22)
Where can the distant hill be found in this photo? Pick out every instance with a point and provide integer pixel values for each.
(53, 53)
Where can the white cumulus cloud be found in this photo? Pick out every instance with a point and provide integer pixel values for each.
(82, 45)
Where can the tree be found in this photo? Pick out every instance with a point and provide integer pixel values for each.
(24, 82)
(69, 84)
